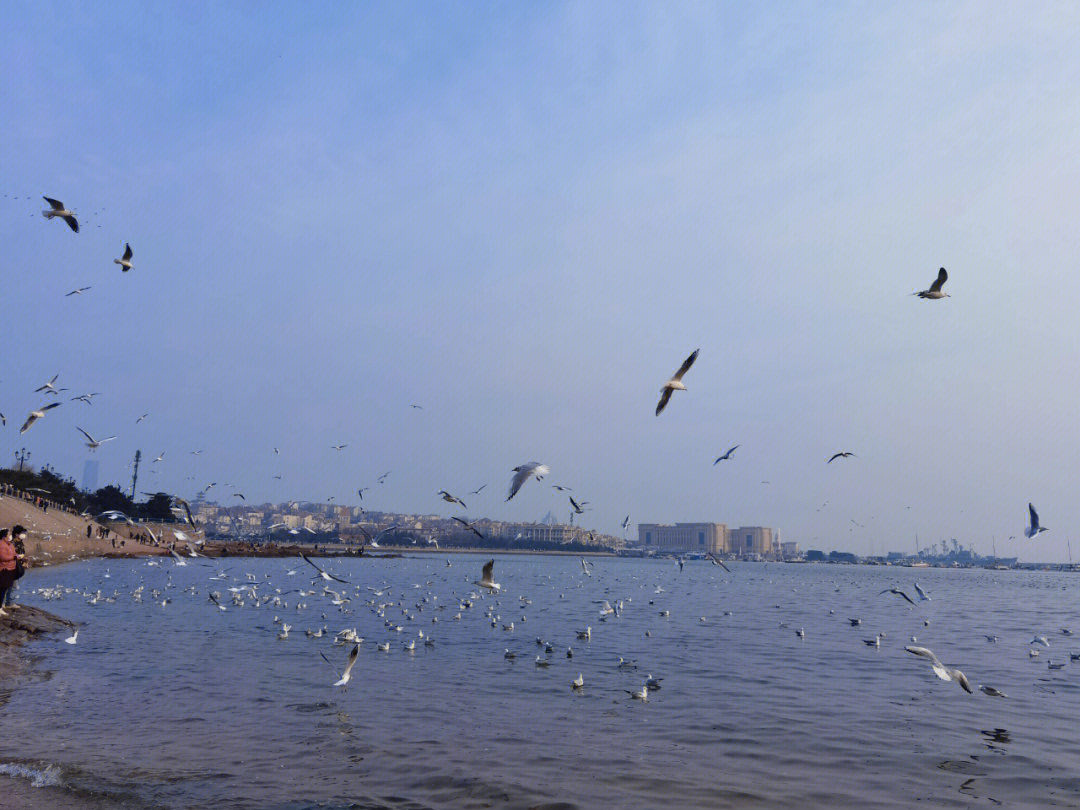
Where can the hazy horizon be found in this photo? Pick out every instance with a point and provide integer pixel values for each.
(523, 218)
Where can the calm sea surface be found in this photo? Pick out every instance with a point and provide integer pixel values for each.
(186, 706)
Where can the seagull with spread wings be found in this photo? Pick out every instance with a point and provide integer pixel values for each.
(79, 291)
(38, 414)
(58, 210)
(125, 260)
(1034, 528)
(675, 383)
(486, 579)
(726, 456)
(469, 526)
(323, 574)
(935, 289)
(523, 473)
(91, 442)
(343, 677)
(843, 454)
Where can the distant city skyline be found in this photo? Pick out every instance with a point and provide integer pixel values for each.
(522, 218)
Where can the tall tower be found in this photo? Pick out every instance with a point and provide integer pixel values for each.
(135, 474)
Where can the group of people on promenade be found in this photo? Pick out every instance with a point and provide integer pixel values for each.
(37, 498)
(12, 562)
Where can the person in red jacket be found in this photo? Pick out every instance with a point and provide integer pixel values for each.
(7, 567)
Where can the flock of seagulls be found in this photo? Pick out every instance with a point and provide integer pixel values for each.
(399, 609)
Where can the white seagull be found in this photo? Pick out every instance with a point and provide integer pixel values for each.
(72, 639)
(91, 442)
(940, 669)
(35, 415)
(935, 288)
(125, 260)
(486, 579)
(1034, 528)
(58, 210)
(675, 383)
(343, 677)
(523, 473)
(326, 576)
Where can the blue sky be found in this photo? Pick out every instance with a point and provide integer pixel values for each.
(523, 217)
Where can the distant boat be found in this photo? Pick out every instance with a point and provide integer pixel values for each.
(920, 564)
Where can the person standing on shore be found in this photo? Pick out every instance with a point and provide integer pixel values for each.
(7, 567)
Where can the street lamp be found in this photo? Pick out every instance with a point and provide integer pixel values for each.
(21, 455)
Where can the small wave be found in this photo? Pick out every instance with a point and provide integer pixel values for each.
(49, 776)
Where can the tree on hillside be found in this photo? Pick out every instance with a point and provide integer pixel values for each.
(158, 507)
(111, 498)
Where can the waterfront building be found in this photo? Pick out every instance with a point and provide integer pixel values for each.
(701, 538)
(747, 540)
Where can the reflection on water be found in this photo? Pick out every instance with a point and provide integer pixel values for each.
(184, 706)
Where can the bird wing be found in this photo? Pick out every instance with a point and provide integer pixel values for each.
(1034, 516)
(56, 204)
(127, 252)
(665, 395)
(487, 571)
(89, 438)
(50, 406)
(327, 660)
(521, 475)
(685, 367)
(309, 562)
(352, 660)
(29, 421)
(72, 223)
(834, 458)
(923, 652)
(942, 277)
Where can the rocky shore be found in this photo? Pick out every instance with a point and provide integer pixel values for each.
(22, 624)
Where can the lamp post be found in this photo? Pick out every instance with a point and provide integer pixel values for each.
(21, 455)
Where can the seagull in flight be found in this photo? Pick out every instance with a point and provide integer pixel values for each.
(935, 288)
(322, 573)
(487, 578)
(338, 446)
(125, 260)
(718, 561)
(923, 595)
(898, 592)
(675, 383)
(79, 291)
(523, 473)
(91, 442)
(940, 669)
(1034, 528)
(48, 387)
(58, 210)
(577, 506)
(446, 496)
(843, 454)
(469, 526)
(726, 455)
(343, 677)
(38, 414)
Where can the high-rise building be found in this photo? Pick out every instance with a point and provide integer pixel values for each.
(90, 475)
